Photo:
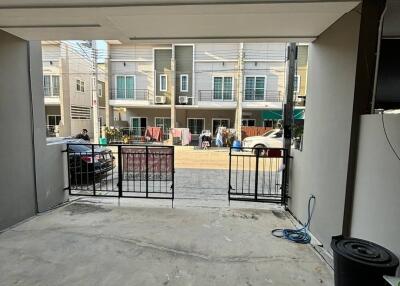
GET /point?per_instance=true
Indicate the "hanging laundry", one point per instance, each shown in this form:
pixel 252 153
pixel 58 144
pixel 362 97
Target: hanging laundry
pixel 154 133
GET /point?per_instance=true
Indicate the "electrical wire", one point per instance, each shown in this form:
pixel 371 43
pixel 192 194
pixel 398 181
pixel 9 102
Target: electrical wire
pixel 387 138
pixel 300 235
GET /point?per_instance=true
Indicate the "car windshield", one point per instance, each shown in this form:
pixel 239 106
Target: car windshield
pixel 79 148
pixel 268 133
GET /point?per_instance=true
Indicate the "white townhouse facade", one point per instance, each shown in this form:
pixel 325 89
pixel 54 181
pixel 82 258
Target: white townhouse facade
pixel 199 86
pixel 67 88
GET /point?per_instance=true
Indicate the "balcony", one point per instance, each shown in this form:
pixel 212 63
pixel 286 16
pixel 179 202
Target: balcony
pixel 137 98
pixel 217 98
pixel 51 96
pixel 262 99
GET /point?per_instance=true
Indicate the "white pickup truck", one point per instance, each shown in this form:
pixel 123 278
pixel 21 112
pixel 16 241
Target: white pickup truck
pixel 270 139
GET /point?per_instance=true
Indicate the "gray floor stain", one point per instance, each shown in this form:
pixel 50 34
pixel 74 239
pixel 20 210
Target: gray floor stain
pixel 79 209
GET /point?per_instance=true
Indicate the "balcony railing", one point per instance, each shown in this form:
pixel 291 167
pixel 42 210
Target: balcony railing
pixel 251 95
pixel 217 95
pixel 51 92
pixel 130 94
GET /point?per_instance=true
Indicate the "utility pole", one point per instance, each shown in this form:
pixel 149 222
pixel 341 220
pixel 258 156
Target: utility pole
pixel 238 119
pixel 95 99
pixel 288 107
pixel 173 88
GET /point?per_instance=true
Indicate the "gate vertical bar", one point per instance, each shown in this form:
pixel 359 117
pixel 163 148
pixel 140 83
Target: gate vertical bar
pixel 256 175
pixel 173 175
pixel 69 171
pixel 94 171
pixel 120 170
pixel 283 184
pixel 230 176
pixel 147 171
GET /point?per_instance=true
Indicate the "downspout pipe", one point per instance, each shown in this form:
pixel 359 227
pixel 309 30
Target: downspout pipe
pixel 32 127
pixel 378 54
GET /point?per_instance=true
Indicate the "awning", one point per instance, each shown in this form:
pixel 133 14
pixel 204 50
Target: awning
pixel 277 114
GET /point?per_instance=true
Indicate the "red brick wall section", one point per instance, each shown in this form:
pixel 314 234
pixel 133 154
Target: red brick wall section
pixel 248 131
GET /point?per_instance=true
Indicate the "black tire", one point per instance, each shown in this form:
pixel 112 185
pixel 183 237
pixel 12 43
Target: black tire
pixel 261 152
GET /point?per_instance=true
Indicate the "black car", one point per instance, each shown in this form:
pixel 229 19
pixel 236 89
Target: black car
pixel 86 165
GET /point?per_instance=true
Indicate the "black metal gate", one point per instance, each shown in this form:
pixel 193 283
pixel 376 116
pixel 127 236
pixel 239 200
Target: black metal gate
pixel 134 171
pixel 257 174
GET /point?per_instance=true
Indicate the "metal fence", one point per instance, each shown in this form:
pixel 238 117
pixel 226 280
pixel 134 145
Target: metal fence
pixel 134 171
pixel 257 174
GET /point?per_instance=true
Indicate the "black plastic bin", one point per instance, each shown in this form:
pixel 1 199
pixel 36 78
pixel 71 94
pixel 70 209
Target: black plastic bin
pixel 360 262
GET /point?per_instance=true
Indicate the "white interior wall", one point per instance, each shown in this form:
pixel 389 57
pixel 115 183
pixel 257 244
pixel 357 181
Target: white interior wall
pixel 321 168
pixel 376 206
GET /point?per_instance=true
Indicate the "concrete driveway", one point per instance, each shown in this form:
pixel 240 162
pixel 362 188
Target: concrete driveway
pixel 86 243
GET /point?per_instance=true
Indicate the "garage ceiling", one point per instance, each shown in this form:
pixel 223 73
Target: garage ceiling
pixel 171 21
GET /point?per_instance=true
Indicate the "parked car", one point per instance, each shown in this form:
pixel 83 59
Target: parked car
pixel 270 139
pixel 86 165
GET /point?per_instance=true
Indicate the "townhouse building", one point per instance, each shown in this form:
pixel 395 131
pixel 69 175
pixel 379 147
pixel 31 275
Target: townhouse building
pixel 67 87
pixel 200 86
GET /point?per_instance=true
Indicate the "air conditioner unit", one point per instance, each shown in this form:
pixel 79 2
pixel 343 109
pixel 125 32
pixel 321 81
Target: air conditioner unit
pixel 183 99
pixel 160 99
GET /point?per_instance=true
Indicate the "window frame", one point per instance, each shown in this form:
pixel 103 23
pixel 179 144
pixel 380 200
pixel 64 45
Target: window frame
pixel 51 87
pixel 254 87
pixel 196 118
pixel 166 82
pixel 99 89
pixel 80 85
pixel 223 87
pixel 187 83
pixel 220 119
pixel 163 122
pixel 247 119
pixel 116 86
pixel 297 88
pixel 52 115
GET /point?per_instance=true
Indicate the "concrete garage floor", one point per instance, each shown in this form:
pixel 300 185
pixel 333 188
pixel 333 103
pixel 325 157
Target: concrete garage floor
pixel 91 243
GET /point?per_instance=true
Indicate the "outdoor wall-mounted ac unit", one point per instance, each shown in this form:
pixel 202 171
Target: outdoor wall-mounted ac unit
pixel 183 99
pixel 160 99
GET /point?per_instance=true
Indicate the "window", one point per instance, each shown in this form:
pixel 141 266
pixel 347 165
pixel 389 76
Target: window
pixel 223 88
pixel 184 83
pixel 219 122
pixel 125 86
pixel 138 125
pixel 80 112
pixel 51 85
pixel 272 123
pixel 53 120
pixel 80 85
pixel 248 122
pixel 254 88
pixel 195 125
pixel 100 89
pixel 296 83
pixel 163 82
pixel 164 123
